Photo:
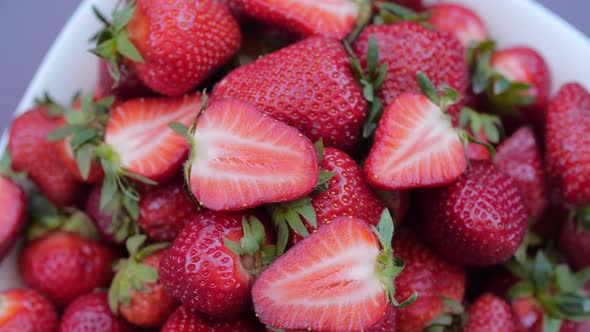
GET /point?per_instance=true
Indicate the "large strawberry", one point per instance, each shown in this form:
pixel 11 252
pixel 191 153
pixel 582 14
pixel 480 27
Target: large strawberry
pixel 337 279
pixel 242 158
pixel 479 220
pixel 308 85
pixel 26 310
pixel 568 143
pixel 489 313
pixel 186 320
pixel 14 205
pixel 461 22
pixel 90 312
pixel 212 264
pixel 172 46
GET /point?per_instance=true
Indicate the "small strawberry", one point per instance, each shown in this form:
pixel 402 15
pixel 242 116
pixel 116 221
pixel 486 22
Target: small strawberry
pixel 212 264
pixel 337 279
pixel 171 46
pixel 568 144
pixel 308 85
pixel 135 292
pixel 478 220
pixel 185 320
pixel 489 313
pixel 520 157
pixel 13 201
pixel 91 312
pixel 32 153
pixel 459 21
pixel 574 239
pixel 26 310
pixel 64 265
pixel 128 87
pixel 242 158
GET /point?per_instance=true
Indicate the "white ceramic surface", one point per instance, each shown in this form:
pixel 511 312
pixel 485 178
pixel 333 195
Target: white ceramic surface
pixel 68 67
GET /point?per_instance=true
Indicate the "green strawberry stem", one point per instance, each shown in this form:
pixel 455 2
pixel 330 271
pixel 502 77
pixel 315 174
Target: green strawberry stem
pixel 581 215
pixel 255 254
pixel 390 13
pixel 364 17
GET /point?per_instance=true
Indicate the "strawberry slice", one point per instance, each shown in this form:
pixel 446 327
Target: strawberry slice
pixel 337 279
pixel 138 132
pixel 415 146
pixel 243 158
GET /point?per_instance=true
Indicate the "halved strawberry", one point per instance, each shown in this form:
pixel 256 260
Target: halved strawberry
pixel 459 21
pixel 242 158
pixel 337 279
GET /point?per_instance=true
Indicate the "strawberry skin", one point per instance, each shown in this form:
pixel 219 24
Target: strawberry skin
pixel 242 158
pixel 479 220
pixel 182 42
pixel 519 156
pixel 387 323
pixel 130 86
pixel 185 320
pixel 415 146
pixel 331 18
pixel 101 219
pixel 64 266
pixel 574 242
pixel 489 313
pixel 26 310
pixel 90 313
pixel 308 85
pixel 327 282
pixel 33 154
pixel 461 22
pixel 14 205
pixel 202 273
pixel 138 132
pixel 568 143
pixel 528 317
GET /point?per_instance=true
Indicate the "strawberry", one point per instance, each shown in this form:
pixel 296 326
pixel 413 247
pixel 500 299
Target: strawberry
pixel 308 85
pixel 185 320
pixel 574 242
pixel 103 220
pixel 528 316
pixel 519 156
pixel 236 9
pixel 14 205
pixel 337 279
pixel 459 21
pixel 32 153
pixel 91 312
pixel 128 87
pixel 135 292
pixel 568 145
pixel 242 158
pixel 172 47
pixel 330 18
pixel 64 265
pixel 387 323
pixel 479 220
pixel 398 203
pixel 489 313
pixel 208 271
pixel 165 209
pixel 26 310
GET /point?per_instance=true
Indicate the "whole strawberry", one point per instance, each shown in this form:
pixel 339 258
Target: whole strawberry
pixel 186 320
pixel 574 242
pixel 479 220
pixel 461 22
pixel 568 143
pixel 171 46
pixel 212 264
pixel 308 85
pixel 63 266
pixel 14 204
pixel 489 313
pixel 89 313
pixel 26 310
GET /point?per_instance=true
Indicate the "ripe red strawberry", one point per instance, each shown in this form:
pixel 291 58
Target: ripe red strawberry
pixel 528 317
pixel 185 320
pixel 519 156
pixel 129 86
pixel 207 270
pixel 398 203
pixel 26 310
pixel 479 220
pixel 330 18
pixel 242 158
pixel 102 219
pixel 91 312
pixel 172 46
pixel 574 242
pixel 165 209
pixel 63 266
pixel 489 313
pixel 135 292
pixel 568 145
pixel 14 205
pixel 32 153
pixel 336 279
pixel 308 85
pixel 461 22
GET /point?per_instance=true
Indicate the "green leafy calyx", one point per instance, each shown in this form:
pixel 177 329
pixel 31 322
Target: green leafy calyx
pixel 292 215
pixel 254 253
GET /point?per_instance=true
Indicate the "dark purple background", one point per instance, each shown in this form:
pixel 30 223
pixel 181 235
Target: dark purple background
pixel 29 28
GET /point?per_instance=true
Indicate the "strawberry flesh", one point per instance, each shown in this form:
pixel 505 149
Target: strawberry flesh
pixel 459 21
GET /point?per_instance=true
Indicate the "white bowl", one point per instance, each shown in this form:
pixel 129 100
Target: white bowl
pixel 68 66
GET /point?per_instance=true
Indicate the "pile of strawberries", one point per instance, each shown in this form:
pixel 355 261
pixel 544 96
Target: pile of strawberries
pixel 295 165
